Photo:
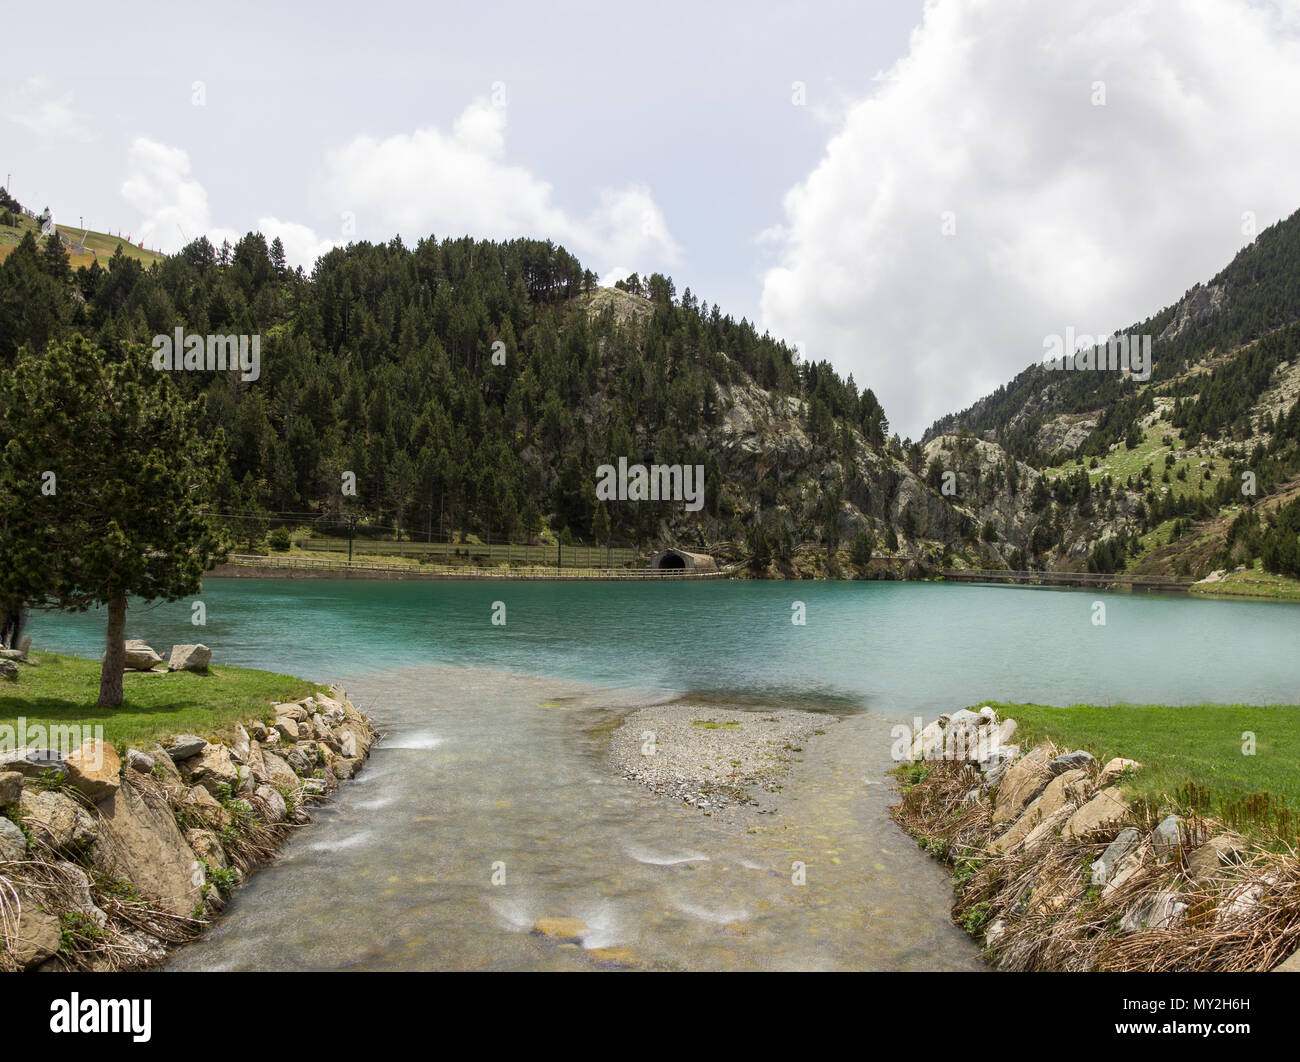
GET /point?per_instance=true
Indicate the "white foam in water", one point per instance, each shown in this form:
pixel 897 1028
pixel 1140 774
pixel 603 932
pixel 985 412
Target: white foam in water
pixel 603 927
pixel 513 913
pixel 720 917
pixel 371 805
pixel 655 859
pixel 748 865
pixel 347 842
pixel 421 739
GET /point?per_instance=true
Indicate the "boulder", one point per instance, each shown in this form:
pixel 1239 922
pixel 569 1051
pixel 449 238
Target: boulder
pixel 296 712
pixel 1100 816
pixel 207 806
pixel 13 843
pixel 241 745
pixel 213 768
pixel 8 670
pixel 57 820
pixel 185 746
pixel 1114 770
pixel 144 845
pixel 1023 781
pixel 1006 731
pixel 298 758
pixel 275 809
pixel 82 901
pixel 355 739
pixel 1208 862
pixel 279 772
pixel 164 763
pixel 1124 869
pixel 1070 761
pixel 257 730
pixel 927 745
pixel 11 787
pixel 139 761
pixel 1103 869
pixel 1172 835
pixel 189 658
pixel 207 847
pixel 94 769
pixel 1161 911
pixel 36 936
pixel 1063 790
pixel 140 657
pixel 1291 965
pixel 287 727
pixel 33 763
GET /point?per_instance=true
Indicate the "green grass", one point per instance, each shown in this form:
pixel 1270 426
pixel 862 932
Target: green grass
pixel 62 690
pixel 1190 755
pixel 99 246
pixel 1253 582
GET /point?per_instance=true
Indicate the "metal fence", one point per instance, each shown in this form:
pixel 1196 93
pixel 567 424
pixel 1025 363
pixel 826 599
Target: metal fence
pixel 545 555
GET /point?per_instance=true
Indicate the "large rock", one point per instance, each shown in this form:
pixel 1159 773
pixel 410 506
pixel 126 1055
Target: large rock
pixel 94 769
pixel 1100 816
pixel 184 746
pixel 8 670
pixel 1173 835
pixel 1161 911
pixel 1103 869
pixel 11 787
pixel 1208 863
pixel 1069 761
pixel 57 820
pixel 36 937
pixel 288 728
pixel 164 763
pixel 13 843
pixel 33 763
pixel 241 745
pixel 1291 965
pixel 272 803
pixel 1023 781
pixel 279 772
pixel 1114 770
pixel 213 768
pixel 207 846
pixel 189 658
pixel 140 761
pixel 144 845
pixel 141 657
pixel 355 739
pixel 1064 789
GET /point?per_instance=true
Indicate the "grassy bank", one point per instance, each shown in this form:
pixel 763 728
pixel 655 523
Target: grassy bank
pixel 1192 756
pixel 62 691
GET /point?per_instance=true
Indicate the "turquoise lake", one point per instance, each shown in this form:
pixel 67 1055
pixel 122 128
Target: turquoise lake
pixel 891 648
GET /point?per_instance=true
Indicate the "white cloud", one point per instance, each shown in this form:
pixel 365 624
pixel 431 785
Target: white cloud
pixel 51 118
pixel 171 201
pixel 1066 213
pixel 173 205
pixel 450 184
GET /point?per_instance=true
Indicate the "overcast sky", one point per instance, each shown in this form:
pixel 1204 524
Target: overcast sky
pixel 920 193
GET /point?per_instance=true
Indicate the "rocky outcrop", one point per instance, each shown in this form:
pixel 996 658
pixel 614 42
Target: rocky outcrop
pixel 114 860
pixel 1157 891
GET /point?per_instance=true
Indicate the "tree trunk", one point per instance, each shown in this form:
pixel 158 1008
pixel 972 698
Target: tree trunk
pixel 110 677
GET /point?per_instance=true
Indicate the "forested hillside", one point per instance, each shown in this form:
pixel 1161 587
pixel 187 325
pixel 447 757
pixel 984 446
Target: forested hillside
pixel 476 387
pixel 473 390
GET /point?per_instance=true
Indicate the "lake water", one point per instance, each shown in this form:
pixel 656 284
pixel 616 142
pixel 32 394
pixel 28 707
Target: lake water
pixel 493 760
pixel 891 648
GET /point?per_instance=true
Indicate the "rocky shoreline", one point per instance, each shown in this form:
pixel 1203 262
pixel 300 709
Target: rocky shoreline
pixel 709 758
pixel 1058 866
pixel 108 862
